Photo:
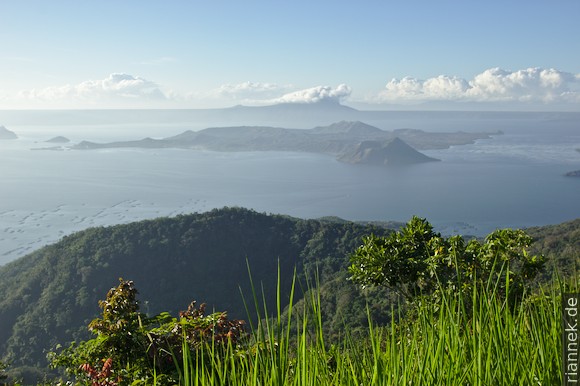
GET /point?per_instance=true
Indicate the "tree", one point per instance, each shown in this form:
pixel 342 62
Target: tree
pixel 417 261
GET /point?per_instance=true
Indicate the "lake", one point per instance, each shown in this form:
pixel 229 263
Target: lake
pixel 512 180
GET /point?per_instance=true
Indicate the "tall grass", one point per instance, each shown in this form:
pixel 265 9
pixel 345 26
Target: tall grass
pixel 473 339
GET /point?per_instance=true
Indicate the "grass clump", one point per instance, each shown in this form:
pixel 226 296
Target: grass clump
pixel 489 343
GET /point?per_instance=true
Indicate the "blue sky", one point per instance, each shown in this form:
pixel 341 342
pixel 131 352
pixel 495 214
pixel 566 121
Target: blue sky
pixel 374 54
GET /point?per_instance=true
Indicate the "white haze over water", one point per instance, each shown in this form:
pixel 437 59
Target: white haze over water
pixel 511 180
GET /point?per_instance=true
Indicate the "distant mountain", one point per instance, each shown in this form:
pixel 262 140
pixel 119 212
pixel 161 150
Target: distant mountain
pixel 342 140
pixel 325 106
pixel 301 115
pixel 392 152
pixel 7 134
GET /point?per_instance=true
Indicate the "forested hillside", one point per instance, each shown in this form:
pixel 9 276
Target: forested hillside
pixel 560 244
pixel 50 296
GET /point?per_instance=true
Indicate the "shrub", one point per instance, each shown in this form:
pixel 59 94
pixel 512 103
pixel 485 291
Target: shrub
pixel 130 348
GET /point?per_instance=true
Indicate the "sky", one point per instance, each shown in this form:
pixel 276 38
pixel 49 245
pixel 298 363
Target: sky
pixel 520 55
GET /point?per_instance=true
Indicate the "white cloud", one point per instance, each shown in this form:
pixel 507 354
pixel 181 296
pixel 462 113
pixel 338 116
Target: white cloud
pixel 258 94
pixel 530 85
pixel 315 94
pixel 120 90
pixel 116 87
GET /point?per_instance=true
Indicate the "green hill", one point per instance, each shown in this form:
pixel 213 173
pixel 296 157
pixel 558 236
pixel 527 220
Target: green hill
pixel 52 294
pixel 561 245
pixel 49 296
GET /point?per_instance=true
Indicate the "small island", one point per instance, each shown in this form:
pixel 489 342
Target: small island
pixel 59 139
pixel 574 173
pixel 7 134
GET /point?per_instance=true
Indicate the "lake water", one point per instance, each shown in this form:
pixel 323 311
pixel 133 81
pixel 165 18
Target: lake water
pixel 512 180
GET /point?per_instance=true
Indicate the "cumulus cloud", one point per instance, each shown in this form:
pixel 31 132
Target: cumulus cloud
pixel 256 93
pixel 315 94
pixel 115 87
pixel 532 84
pixel 492 85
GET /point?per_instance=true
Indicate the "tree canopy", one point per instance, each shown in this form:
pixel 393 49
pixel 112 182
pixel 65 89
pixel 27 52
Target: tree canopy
pixel 418 261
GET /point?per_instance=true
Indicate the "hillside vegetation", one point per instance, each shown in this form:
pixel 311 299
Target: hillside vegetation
pixel 52 294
